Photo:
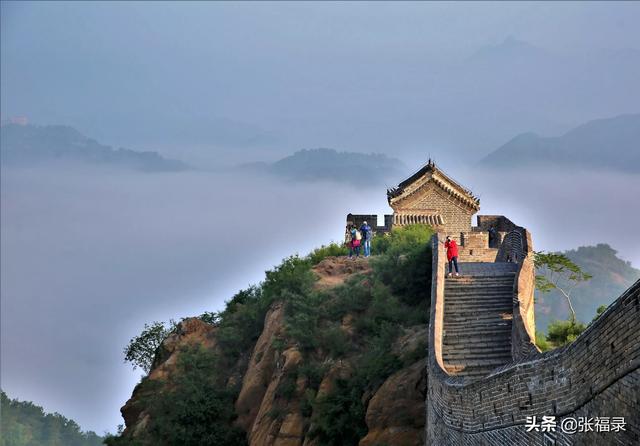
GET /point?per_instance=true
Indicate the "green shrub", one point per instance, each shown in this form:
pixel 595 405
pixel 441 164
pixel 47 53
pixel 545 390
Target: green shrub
pixel 330 250
pixel 196 407
pixel 302 319
pixel 402 240
pixel 141 350
pixel 334 341
pixel 306 404
pixel 351 297
pixel 542 342
pixel 287 386
pixel 601 309
pixel 314 373
pixel 338 417
pixel 561 333
pixel 406 265
pixel 293 276
pixel 241 323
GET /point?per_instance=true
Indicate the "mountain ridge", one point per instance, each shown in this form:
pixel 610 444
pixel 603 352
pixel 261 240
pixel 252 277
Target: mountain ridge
pixel 308 165
pixel 611 143
pixel 31 145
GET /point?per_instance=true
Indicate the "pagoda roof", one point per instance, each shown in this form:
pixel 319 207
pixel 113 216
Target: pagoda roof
pixel 440 178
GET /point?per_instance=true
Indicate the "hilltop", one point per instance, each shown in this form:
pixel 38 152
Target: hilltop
pixel 329 164
pixel 327 350
pixel 31 145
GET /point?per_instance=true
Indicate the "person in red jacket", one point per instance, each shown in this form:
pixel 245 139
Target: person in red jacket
pixel 452 255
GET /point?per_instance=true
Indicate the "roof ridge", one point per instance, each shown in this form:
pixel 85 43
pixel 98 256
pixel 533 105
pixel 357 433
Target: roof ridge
pixel 455 188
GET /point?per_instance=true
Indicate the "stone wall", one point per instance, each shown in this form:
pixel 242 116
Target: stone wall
pixel 598 375
pixel 499 222
pixel 523 330
pixel 456 215
pixel 474 247
pixel 372 220
pixel 514 247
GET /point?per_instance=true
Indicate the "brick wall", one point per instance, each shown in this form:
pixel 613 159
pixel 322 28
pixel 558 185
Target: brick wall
pixel 457 216
pixel 372 220
pixel 499 222
pixel 598 375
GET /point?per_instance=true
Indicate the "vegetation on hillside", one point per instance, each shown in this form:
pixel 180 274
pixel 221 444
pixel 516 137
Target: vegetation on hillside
pixel 607 276
pixel 25 424
pixel 611 276
pixel 394 295
pixel 563 332
pixel 556 272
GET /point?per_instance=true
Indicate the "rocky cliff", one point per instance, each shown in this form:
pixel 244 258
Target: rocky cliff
pixel 292 391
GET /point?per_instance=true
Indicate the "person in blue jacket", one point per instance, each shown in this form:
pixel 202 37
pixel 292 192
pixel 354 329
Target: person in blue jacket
pixel 365 230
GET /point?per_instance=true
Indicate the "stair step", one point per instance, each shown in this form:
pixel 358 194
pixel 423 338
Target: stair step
pixel 488 305
pixel 466 350
pixel 494 333
pixel 486 319
pixel 479 279
pixel 470 274
pixel 476 297
pixel 456 345
pixel 493 362
pixel 491 305
pixel 471 372
pixel 503 356
pixel 470 312
pixel 481 293
pixel 499 338
pixel 477 287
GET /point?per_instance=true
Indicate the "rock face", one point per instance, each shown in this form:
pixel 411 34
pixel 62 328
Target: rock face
pixel 396 413
pixel 262 366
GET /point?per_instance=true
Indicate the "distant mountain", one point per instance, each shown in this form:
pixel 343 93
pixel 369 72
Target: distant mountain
pixel 30 145
pixel 510 51
pixel 611 276
pixel 329 164
pixel 612 143
pixel 25 424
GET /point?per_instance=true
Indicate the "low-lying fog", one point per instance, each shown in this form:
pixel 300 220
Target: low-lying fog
pixel 89 256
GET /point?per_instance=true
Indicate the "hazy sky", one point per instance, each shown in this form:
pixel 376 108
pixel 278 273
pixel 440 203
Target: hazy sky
pixel 88 257
pixel 262 79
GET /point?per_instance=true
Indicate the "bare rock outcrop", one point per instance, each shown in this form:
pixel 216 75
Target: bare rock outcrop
pixel 279 421
pixel 262 366
pixel 396 413
pixel 333 271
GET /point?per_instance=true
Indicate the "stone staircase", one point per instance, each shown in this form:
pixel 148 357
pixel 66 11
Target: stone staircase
pixel 478 309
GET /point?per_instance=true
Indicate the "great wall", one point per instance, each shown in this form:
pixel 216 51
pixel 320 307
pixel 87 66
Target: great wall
pixel 487 380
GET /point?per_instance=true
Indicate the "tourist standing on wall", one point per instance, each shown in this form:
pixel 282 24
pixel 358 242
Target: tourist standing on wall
pixel 452 255
pixel 365 230
pixel 354 246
